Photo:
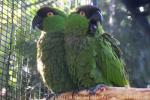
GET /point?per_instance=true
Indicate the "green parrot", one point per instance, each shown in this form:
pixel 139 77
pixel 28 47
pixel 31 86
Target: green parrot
pixel 92 55
pixel 51 63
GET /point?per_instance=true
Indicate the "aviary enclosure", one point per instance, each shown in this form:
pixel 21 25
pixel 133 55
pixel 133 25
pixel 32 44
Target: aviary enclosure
pixel 19 79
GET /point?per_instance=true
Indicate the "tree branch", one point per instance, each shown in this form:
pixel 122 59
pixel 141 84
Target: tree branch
pixel 112 93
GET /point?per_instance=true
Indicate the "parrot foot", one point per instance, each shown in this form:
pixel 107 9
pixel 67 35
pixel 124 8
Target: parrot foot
pixel 99 87
pixel 51 95
pixel 75 92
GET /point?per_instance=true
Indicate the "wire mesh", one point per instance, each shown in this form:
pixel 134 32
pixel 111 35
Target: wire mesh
pixel 19 79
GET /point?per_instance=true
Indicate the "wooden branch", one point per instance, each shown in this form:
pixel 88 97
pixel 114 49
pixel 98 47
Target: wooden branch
pixel 111 93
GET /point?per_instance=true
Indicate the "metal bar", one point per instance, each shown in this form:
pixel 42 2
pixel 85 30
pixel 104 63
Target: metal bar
pixel 95 2
pixel 15 36
pixel 10 52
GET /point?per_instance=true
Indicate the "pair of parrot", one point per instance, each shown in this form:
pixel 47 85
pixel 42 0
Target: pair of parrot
pixel 74 52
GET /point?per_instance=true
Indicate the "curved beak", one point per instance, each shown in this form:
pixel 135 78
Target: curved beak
pixel 37 22
pixel 97 17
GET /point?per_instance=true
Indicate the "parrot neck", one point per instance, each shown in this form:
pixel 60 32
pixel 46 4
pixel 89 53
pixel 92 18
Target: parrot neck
pixel 54 24
pixel 100 30
pixel 55 33
pixel 76 25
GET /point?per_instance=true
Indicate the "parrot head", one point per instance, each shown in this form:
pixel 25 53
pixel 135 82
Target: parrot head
pixel 48 18
pixel 84 20
pixel 93 14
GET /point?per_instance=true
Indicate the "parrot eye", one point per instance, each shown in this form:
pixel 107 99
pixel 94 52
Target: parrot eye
pixel 82 13
pixel 50 14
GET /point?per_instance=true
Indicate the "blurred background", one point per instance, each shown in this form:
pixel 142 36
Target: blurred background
pixel 129 22
pixel 126 20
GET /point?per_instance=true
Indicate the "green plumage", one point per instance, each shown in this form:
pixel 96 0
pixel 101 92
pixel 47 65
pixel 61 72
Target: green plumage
pixel 112 66
pixel 91 60
pixel 51 54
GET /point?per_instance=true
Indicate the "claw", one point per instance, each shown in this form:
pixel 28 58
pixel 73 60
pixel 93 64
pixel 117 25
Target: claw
pixel 75 92
pixel 51 95
pixel 95 89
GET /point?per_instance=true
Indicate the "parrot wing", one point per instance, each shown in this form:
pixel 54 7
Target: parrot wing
pixel 114 43
pixel 109 60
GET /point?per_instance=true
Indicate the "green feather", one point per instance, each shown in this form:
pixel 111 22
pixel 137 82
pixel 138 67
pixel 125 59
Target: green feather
pixel 80 53
pixel 111 65
pixel 91 60
pixel 51 55
pixel 73 27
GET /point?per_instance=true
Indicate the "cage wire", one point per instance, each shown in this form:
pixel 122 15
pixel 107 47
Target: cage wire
pixel 19 79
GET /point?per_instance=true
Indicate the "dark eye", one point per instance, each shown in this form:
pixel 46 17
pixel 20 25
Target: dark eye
pixel 50 14
pixel 82 13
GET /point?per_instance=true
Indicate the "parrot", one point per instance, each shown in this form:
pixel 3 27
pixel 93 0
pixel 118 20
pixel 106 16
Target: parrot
pixel 51 61
pixel 93 56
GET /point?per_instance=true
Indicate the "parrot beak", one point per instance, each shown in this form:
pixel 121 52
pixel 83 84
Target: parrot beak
pixel 37 22
pixel 97 17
